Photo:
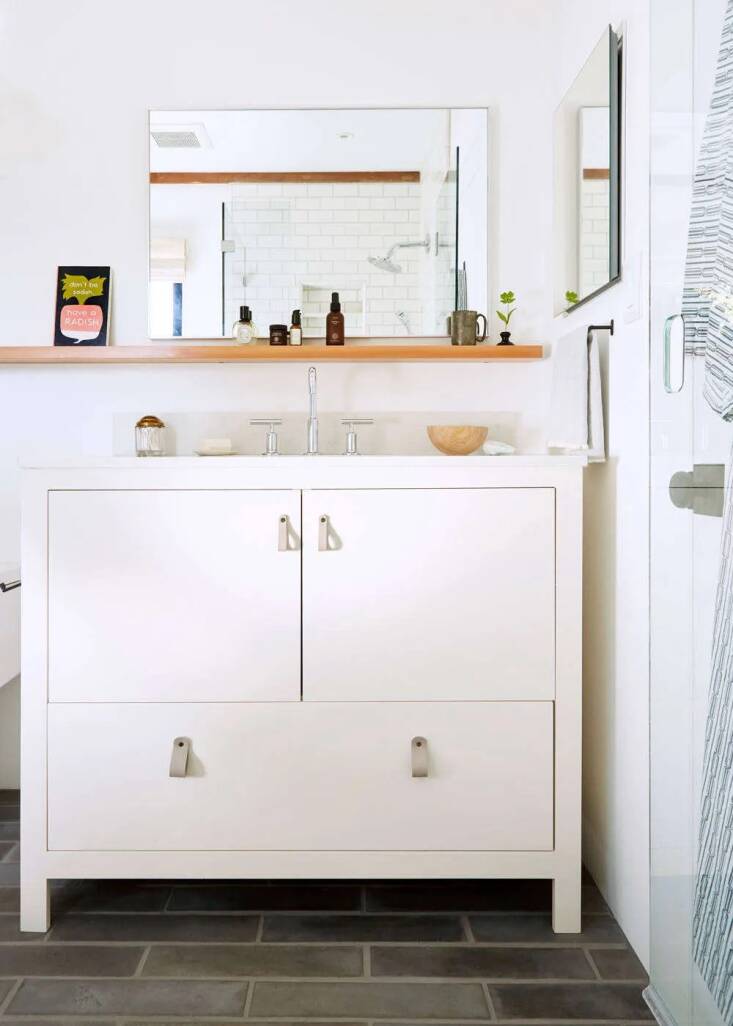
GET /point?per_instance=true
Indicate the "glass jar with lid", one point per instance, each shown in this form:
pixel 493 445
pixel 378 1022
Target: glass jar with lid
pixel 150 436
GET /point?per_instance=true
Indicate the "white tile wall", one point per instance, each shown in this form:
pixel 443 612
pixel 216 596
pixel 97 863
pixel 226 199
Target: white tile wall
pixel 594 235
pixel 292 234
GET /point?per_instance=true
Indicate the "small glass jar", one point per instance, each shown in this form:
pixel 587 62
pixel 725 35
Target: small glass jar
pixel 150 436
pixel 278 334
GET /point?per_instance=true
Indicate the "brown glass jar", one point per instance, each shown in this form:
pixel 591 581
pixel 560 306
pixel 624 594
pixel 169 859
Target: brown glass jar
pixel 278 334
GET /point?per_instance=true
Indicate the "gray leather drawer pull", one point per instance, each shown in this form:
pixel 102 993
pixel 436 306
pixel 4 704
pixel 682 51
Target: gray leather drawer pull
pixel 323 530
pixel 282 535
pixel 179 757
pixel 419 757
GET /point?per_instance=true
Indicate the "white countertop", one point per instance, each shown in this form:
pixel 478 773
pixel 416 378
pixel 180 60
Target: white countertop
pixel 478 461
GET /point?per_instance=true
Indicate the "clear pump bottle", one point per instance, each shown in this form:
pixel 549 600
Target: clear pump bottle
pixel 244 331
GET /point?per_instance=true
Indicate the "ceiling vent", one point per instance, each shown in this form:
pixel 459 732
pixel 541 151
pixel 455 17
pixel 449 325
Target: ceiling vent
pixel 177 140
pixel 180 137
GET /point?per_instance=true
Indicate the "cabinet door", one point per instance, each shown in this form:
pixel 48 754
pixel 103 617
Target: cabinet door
pixel 163 596
pixel 302 777
pixel 429 594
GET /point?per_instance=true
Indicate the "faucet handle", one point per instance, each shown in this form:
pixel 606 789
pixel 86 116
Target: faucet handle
pixel 271 437
pixel 351 440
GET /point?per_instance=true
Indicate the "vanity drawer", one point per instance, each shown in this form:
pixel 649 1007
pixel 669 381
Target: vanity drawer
pixel 326 776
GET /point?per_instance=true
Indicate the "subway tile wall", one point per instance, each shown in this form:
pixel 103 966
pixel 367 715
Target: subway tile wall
pixel 295 243
pixel 594 235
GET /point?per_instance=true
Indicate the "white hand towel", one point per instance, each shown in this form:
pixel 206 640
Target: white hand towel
pixel 576 407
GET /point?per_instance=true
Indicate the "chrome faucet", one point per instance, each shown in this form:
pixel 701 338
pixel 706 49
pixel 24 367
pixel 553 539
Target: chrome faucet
pixel 312 449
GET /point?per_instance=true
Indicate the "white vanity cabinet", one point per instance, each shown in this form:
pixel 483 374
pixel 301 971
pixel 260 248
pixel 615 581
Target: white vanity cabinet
pixel 374 665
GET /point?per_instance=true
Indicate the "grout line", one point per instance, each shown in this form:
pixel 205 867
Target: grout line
pixel 143 960
pixel 372 981
pixel 466 924
pixel 489 1002
pixel 249 999
pixel 367 961
pixel 592 964
pixel 4 1005
pixel 349 942
pixel 260 929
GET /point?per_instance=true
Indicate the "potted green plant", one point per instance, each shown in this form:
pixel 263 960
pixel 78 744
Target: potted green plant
pixel 506 299
pixel 571 298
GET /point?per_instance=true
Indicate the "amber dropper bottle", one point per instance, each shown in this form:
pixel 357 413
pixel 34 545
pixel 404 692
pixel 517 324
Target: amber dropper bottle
pixel 335 323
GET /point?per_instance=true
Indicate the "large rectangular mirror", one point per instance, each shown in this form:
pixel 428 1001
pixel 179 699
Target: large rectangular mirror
pixel 587 128
pixel 276 209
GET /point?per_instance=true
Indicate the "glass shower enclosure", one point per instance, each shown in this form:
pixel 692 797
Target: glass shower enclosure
pixel 689 450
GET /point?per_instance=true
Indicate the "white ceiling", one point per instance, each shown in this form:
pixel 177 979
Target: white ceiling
pixel 305 140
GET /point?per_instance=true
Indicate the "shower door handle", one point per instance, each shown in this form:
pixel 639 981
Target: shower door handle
pixel 676 348
pixel 674 354
pixel 700 489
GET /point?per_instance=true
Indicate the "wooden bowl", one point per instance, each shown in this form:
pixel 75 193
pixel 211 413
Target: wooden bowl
pixel 459 440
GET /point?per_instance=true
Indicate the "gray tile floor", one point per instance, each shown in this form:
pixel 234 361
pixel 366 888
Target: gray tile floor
pixel 315 952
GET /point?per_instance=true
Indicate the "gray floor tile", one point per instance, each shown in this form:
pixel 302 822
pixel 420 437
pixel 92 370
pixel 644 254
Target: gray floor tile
pixel 121 896
pixel 422 1000
pixel 266 897
pixel 5 987
pixel 306 960
pixel 10 932
pixel 601 1001
pixel 593 903
pixel 9 831
pixel 9 899
pixel 619 965
pixel 460 896
pixel 207 1022
pixel 68 960
pixel 129 997
pixel 154 927
pixel 9 813
pixel 9 850
pixel 486 963
pixel 9 874
pixel 362 928
pixel 8 796
pixel 535 929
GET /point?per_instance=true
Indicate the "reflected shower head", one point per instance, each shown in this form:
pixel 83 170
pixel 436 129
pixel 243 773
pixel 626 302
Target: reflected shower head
pixel 385 264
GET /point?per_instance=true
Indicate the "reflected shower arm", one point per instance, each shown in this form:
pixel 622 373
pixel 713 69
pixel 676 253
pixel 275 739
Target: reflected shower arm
pixel 423 244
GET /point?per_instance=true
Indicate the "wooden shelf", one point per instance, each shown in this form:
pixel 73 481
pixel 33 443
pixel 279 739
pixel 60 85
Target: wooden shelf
pixel 178 353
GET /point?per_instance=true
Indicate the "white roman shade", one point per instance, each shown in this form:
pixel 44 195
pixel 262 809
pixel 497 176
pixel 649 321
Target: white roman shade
pixel 167 259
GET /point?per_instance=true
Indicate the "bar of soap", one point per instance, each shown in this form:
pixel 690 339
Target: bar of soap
pixel 216 446
pixel 492 448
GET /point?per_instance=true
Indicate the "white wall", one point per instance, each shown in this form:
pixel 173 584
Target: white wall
pixel 616 635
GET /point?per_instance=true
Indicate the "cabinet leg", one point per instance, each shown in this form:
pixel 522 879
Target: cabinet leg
pixel 35 906
pixel 566 896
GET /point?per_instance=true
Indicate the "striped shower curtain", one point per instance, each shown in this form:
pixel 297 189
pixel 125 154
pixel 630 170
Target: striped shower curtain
pixel 708 312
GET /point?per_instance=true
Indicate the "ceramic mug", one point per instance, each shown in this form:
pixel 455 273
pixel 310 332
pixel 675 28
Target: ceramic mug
pixel 465 329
